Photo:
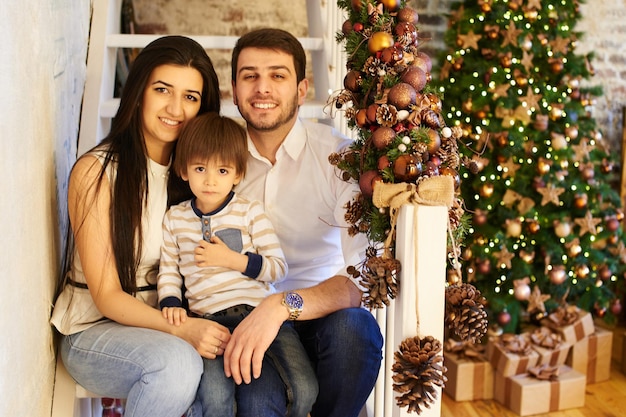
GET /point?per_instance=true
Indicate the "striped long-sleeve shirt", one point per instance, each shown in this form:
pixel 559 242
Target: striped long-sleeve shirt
pixel 244 227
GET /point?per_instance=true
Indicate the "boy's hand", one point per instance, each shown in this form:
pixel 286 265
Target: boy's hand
pixel 212 253
pixel 174 315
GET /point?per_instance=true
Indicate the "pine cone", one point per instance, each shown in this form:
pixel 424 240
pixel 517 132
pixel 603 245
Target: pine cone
pixel 465 312
pixel 418 371
pixel 379 277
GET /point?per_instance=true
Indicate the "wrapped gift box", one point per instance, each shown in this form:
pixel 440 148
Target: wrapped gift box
pixel 549 345
pixel 571 322
pixel 592 356
pixel 511 354
pixel 526 395
pixel 468 379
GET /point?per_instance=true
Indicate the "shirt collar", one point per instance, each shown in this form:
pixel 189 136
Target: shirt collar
pixel 217 210
pixel 292 145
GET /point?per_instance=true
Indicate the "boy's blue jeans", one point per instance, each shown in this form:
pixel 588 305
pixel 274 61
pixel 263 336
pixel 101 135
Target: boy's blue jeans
pixel 287 385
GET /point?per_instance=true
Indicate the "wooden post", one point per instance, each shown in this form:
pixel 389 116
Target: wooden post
pixel 418 309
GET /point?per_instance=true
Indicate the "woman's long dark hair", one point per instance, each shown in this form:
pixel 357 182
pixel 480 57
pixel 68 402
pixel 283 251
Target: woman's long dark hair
pixel 125 147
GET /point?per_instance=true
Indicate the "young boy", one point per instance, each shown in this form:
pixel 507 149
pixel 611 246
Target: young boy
pixel 222 249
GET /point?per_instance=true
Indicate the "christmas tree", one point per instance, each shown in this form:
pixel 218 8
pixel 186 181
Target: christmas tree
pixel 546 219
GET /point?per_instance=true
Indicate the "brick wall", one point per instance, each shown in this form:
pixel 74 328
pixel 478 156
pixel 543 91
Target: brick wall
pixel 603 25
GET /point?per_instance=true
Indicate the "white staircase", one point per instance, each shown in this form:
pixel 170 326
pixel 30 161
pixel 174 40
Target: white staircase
pixel 100 105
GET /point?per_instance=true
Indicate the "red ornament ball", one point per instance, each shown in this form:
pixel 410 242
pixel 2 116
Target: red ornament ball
pixel 367 181
pixel 616 307
pixel 504 318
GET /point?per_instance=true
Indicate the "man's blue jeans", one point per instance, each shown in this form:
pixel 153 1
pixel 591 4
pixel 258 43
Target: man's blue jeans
pixel 157 373
pixel 346 350
pixel 287 385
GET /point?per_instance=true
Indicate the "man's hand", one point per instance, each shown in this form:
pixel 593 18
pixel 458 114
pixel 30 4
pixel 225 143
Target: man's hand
pixel 243 357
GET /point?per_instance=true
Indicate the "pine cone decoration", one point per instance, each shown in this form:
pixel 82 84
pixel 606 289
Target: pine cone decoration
pixel 418 371
pixel 379 279
pixel 465 312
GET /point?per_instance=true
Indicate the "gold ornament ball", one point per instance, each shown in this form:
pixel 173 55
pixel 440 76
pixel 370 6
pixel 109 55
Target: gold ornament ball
pixel 379 41
pixel 415 77
pixel 557 274
pixel 580 201
pixel 382 137
pixel 558 140
pixel 543 166
pixel 533 226
pixel 451 173
pixel 435 141
pixel 361 118
pixel 422 60
pixel 574 250
pixel 582 271
pixel 356 5
pixel 521 292
pixel 407 168
pixel 453 277
pixel 402 95
pixel 486 190
pixel 527 257
pixel 390 5
pixel 562 229
pixel 588 173
pixel 408 14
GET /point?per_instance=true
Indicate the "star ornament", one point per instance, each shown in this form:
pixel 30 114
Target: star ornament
pixel 588 224
pixel 582 150
pixel 550 194
pixel 509 168
pixel 531 99
pixel 536 301
pixel 470 40
pixel 620 252
pixel 511 35
pixel 527 61
pixel 500 91
pixel 504 257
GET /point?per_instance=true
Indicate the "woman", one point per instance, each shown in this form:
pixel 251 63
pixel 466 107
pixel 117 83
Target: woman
pixel 115 342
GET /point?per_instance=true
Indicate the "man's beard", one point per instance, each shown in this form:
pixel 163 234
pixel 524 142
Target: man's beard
pixel 268 126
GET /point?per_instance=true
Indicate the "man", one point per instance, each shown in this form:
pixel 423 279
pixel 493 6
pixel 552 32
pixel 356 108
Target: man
pixel 305 198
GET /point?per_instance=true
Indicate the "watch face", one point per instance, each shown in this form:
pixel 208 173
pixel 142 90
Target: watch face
pixel 293 300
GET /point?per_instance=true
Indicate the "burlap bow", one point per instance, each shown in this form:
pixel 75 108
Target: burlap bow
pixel 431 191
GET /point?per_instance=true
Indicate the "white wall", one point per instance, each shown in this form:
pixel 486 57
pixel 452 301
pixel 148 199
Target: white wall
pixel 42 68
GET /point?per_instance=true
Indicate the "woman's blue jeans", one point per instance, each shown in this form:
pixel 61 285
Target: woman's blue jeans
pixel 157 373
pixel 346 350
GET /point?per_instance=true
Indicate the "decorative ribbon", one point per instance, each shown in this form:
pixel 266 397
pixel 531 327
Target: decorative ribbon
pixel 546 338
pixel 544 372
pixel 515 343
pixel 465 350
pixel 564 315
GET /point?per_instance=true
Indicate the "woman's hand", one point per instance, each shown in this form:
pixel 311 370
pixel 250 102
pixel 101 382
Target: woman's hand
pixel 206 336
